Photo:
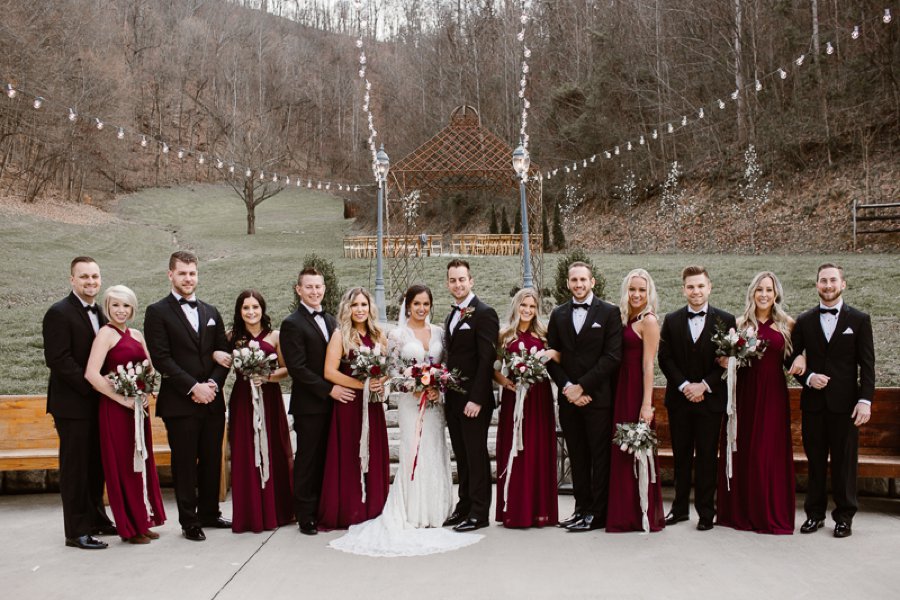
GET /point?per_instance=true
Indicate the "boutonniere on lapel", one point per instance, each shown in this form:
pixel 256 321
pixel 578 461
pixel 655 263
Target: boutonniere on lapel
pixel 465 313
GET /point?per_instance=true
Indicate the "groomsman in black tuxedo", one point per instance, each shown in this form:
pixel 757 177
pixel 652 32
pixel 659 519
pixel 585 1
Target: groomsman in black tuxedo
pixel 69 328
pixel 182 333
pixel 696 395
pixel 838 385
pixel 470 331
pixel 304 337
pixel 587 332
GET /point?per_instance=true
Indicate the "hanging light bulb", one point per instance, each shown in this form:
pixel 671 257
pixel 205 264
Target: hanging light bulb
pixel 120 133
pixel 248 173
pixel 799 61
pixel 641 141
pixel 98 123
pixel 144 141
pixel 734 94
pixel 628 146
pixel 593 158
pixel 274 177
pixel 568 170
pixel 231 169
pixel 10 90
pixel 700 113
pixel 521 36
pixel 670 128
pixel 607 154
pixel 180 153
pixel 684 121
pixel 721 104
pixel 319 186
pixel 782 73
pixel 887 15
pixel 219 163
pixel 575 166
pixel 359 43
pixel 829 49
pixel 262 175
pixel 362 58
pixel 855 34
pixel 201 160
pixel 72 114
pixel 356 188
pixel 299 183
pixel 654 135
pixel 38 102
pixel 328 186
pixel 287 181
pixel 758 85
pixel 309 184
pixel 523 19
pixel 527 53
pixel 165 148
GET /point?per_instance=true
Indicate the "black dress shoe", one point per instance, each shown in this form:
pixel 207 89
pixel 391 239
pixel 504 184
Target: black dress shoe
pixel 586 523
pixel 219 523
pixel 455 518
pixel 672 518
pixel 194 533
pixel 811 525
pixel 308 528
pixel 106 530
pixel 842 530
pixel 576 516
pixel 86 542
pixel 470 525
pixel 704 525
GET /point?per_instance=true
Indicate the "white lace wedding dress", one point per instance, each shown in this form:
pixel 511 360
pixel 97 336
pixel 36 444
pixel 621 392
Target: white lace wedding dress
pixel 410 524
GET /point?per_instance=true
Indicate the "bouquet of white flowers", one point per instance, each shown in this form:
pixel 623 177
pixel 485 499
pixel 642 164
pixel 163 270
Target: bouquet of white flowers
pixel 255 365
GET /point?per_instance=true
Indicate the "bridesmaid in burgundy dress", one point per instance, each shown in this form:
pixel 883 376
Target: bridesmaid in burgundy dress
pixel 761 494
pixel 116 344
pixel 634 400
pixel 531 498
pixel 342 502
pixel 257 507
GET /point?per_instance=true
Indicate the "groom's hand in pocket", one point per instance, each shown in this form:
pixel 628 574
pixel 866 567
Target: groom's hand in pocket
pixel 471 409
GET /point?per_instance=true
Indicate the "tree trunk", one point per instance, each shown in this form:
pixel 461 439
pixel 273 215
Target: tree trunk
pixel 739 75
pixel 250 202
pixel 814 7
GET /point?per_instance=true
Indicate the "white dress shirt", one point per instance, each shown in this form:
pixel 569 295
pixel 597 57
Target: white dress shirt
pixel 456 311
pixel 94 317
pixel 192 314
pixel 697 324
pixel 579 315
pixel 319 319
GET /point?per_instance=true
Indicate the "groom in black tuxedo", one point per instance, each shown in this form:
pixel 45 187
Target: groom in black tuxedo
pixel 587 332
pixel 836 399
pixel 696 395
pixel 304 338
pixel 69 329
pixel 470 330
pixel 182 333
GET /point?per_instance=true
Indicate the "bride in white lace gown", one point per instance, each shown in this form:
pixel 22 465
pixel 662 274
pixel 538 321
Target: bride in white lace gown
pixel 416 507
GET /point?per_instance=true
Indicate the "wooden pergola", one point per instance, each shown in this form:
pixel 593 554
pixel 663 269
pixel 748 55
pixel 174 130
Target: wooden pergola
pixel 462 156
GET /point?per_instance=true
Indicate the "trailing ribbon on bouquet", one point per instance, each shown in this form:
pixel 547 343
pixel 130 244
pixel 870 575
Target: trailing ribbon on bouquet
pixel 731 426
pixel 260 435
pixel 140 449
pixel 518 442
pixel 645 471
pixel 420 423
pixel 364 440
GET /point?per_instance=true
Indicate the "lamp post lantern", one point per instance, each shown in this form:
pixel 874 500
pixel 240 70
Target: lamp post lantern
pixel 382 164
pixel 521 161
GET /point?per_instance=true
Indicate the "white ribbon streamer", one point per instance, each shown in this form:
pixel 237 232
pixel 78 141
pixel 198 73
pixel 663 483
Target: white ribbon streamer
pixel 645 472
pixel 364 440
pixel 731 427
pixel 140 449
pixel 260 435
pixel 518 442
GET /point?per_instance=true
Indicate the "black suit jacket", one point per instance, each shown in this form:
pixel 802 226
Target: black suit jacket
pixel 849 359
pixel 68 337
pixel 184 357
pixel 590 357
pixel 472 350
pixel 681 360
pixel 303 348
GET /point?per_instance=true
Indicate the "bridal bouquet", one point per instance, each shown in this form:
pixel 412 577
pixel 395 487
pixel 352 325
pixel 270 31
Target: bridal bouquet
pixel 740 346
pixel 136 380
pixel 371 363
pixel 254 364
pixel 522 366
pixel 639 440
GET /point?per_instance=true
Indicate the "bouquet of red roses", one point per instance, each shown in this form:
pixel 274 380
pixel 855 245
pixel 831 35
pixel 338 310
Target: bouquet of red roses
pixel 371 363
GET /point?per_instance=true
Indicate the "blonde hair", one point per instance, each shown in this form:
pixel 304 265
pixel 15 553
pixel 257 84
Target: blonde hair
pixel 349 334
pixel 781 321
pixel 511 329
pixel 123 293
pixel 652 305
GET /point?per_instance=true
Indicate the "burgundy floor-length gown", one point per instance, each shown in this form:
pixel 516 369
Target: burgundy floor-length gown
pixel 761 497
pixel 125 487
pixel 341 504
pixel 624 513
pixel 532 499
pixel 256 508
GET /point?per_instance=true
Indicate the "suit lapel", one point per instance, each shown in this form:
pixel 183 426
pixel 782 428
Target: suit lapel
pixel 179 314
pixel 202 318
pixel 568 328
pixel 840 326
pixel 588 319
pixel 312 321
pixel 83 316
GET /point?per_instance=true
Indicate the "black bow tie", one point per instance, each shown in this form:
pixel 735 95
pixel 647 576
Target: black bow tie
pixel 316 313
pixel 692 315
pixel 92 308
pixel 830 311
pixel 576 306
pixel 191 303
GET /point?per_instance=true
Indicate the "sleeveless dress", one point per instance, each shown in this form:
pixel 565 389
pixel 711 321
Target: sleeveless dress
pixel 532 497
pixel 341 504
pixel 256 508
pixel 416 507
pixel 761 497
pixel 125 487
pixel 624 513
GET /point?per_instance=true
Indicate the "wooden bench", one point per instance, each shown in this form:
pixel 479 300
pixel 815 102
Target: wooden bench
pixel 28 439
pixel 879 439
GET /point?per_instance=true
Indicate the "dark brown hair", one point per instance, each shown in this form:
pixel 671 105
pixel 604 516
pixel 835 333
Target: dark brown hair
pixel 579 263
pixel 458 262
pixel 239 333
pixel 412 292
pixel 308 271
pixel 80 259
pixel 183 256
pixel 691 270
pixel 824 266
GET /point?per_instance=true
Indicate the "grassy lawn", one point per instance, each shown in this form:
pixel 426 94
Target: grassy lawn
pixel 210 220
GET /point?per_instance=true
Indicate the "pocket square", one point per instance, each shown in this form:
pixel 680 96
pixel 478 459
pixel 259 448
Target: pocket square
pixel 596 326
pixel 848 331
pixel 464 326
pixel 211 322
